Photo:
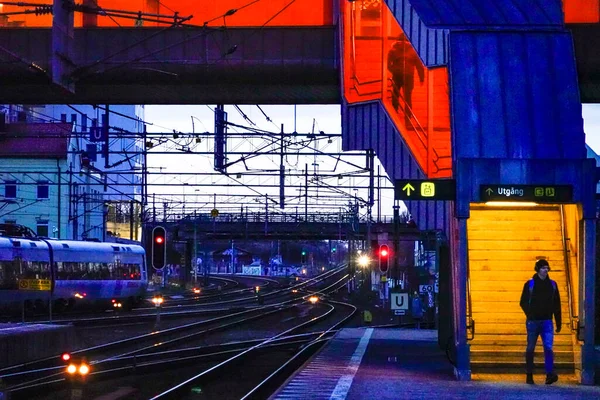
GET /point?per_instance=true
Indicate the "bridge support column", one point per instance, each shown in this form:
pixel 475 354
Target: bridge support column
pixel 586 321
pixel 462 370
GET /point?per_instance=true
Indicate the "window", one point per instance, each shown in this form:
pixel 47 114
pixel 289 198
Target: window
pixel 63 117
pixel 42 228
pixel 10 189
pixel 42 190
pixel 84 123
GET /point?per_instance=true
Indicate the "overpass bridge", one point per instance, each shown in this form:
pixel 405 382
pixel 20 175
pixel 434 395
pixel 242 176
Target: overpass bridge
pixel 284 227
pixel 273 65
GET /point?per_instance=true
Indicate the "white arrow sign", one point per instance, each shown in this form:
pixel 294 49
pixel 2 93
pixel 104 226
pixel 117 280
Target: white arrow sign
pixel 399 301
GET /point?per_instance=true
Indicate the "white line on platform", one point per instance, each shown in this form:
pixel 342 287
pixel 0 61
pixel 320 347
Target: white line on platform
pixel 343 386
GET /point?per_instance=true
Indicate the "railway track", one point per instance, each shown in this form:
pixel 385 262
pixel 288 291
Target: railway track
pixel 27 381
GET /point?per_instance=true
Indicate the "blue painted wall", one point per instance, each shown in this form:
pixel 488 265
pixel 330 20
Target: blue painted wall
pixel 475 14
pixel 515 95
pixel 367 126
pixel 431 44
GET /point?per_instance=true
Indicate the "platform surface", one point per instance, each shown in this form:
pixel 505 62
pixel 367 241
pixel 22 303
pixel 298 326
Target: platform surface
pixel 372 363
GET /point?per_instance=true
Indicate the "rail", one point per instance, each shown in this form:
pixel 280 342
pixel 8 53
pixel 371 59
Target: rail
pixel 574 319
pixel 470 320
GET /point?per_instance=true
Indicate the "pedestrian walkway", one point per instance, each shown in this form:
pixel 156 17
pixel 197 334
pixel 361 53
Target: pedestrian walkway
pixel 397 363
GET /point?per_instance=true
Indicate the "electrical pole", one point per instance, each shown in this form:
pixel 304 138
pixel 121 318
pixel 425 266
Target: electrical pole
pixel 370 162
pixel 306 192
pixel 195 251
pixel 282 173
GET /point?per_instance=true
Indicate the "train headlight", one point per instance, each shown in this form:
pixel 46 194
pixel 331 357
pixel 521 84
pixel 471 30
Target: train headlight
pixel 84 369
pixel 364 261
pixel 71 369
pixel 157 300
pixel 313 299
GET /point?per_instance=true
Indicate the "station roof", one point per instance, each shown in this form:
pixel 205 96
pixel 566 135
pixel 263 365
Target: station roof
pixel 466 14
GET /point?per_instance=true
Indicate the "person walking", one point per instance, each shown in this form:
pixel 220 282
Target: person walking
pixel 416 309
pixel 539 301
pixel 402 61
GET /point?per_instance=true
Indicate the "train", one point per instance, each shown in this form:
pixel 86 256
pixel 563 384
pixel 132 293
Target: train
pixel 36 272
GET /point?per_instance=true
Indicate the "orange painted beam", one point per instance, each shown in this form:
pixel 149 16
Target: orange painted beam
pixel 242 13
pixel 582 11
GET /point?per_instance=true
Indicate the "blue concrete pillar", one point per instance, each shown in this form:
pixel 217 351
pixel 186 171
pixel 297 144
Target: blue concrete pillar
pixel 586 320
pixel 462 369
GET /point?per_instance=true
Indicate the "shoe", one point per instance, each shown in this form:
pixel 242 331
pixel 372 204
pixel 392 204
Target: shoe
pixel 551 378
pixel 529 379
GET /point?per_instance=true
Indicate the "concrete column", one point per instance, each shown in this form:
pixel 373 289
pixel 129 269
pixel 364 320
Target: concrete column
pixel 586 320
pixel 462 370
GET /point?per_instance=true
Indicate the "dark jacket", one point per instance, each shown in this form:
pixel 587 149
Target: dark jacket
pixel 403 60
pixel 545 300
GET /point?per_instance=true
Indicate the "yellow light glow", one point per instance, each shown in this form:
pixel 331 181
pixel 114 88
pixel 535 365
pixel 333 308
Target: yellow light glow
pixel 157 300
pixel 71 369
pixel 511 204
pixel 84 369
pixel 313 299
pixel 363 261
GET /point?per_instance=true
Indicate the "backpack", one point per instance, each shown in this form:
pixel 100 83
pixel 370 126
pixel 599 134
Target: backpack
pixel 531 283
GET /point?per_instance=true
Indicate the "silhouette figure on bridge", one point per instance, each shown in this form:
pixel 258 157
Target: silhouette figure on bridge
pixel 402 61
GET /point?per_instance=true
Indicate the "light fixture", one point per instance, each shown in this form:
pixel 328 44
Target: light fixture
pixel 511 204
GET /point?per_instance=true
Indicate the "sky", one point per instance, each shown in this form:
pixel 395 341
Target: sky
pixel 591 126
pixel 324 117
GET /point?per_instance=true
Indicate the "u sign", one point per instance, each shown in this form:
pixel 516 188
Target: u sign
pixel 97 134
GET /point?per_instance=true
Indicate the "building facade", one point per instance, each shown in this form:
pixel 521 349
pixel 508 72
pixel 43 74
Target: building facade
pixel 117 171
pixel 44 187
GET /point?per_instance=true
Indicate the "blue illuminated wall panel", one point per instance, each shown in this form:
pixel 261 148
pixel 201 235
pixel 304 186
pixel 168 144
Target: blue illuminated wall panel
pixel 430 44
pixel 367 126
pixel 475 14
pixel 515 96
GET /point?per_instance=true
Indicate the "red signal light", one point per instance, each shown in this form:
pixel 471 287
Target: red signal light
pixel 384 258
pixel 159 247
pixel 65 356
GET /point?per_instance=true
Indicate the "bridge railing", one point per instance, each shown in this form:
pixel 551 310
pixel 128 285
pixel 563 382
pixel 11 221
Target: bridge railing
pixel 257 217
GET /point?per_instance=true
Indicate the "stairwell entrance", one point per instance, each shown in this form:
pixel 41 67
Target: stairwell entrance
pixel 504 244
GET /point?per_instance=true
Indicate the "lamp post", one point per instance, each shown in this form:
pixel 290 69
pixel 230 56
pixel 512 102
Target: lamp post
pixel 157 300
